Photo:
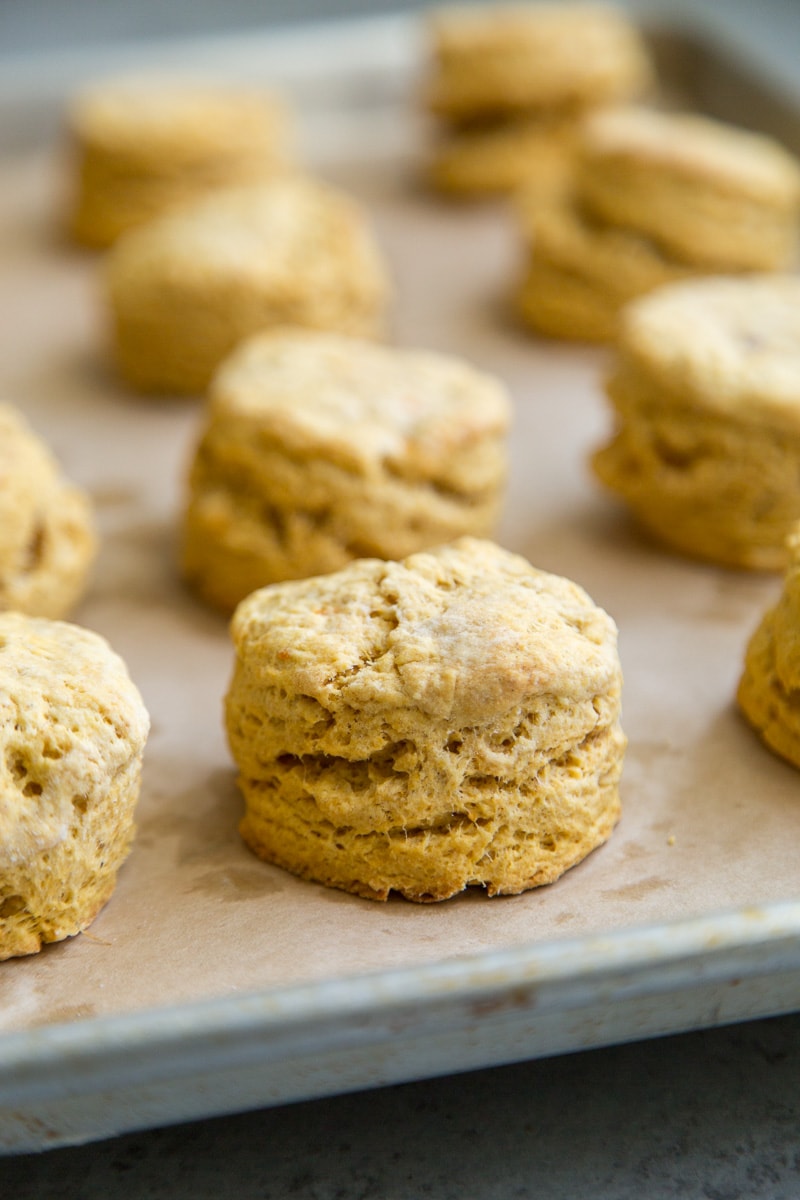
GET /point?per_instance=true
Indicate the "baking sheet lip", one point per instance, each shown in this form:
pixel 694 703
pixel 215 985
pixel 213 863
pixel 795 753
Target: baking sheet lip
pixel 539 978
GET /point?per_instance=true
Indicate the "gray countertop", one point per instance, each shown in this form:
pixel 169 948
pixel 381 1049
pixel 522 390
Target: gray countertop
pixel 711 1115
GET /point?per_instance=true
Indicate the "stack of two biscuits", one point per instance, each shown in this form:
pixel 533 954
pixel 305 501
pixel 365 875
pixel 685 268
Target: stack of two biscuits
pixel 507 85
pixel 656 198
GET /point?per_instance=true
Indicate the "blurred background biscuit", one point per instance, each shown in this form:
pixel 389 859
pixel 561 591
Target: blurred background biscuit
pixel 319 448
pixel 652 198
pixel 142 147
pixel 183 290
pixel 711 195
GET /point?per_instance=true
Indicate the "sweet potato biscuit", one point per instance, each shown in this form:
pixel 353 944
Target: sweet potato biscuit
pixel 320 448
pixel 424 726
pixel 142 147
pixel 713 195
pixel 47 541
pixel 73 729
pixel 580 273
pixel 186 288
pixel 706 388
pixel 509 59
pixel 769 689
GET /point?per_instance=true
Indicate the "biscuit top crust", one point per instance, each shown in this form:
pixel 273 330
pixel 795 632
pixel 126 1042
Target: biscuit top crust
pixel 167 124
pixel 70 718
pixel 731 346
pixel 294 233
pixel 533 54
pixel 694 147
pixel 355 401
pixel 462 633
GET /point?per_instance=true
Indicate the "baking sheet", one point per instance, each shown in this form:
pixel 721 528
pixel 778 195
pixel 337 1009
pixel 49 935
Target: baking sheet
pixel 710 820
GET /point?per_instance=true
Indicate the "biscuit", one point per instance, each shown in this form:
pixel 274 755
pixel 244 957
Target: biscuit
pixel 140 148
pixel 185 288
pixel 712 195
pixel 319 448
pixel 47 540
pixel 425 726
pixel 770 684
pixel 534 152
pixel 509 59
pixel 73 729
pixel 706 388
pixel 581 273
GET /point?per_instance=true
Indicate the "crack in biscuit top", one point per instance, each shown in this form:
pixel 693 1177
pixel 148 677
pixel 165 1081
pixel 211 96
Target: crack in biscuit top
pixel 462 633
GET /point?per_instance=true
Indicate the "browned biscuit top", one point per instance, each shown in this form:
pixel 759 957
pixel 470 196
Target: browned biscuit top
pixel 464 632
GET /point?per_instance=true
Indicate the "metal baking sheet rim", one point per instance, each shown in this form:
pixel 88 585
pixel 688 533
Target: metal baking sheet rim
pixel 66 1084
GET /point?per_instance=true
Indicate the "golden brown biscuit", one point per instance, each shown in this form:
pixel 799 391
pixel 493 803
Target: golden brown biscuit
pixel 706 388
pixel 142 147
pixel 319 448
pixel 712 195
pixel 47 540
pixel 506 59
pixel 424 726
pixel 185 289
pixel 581 273
pixel 73 729
pixel 769 688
